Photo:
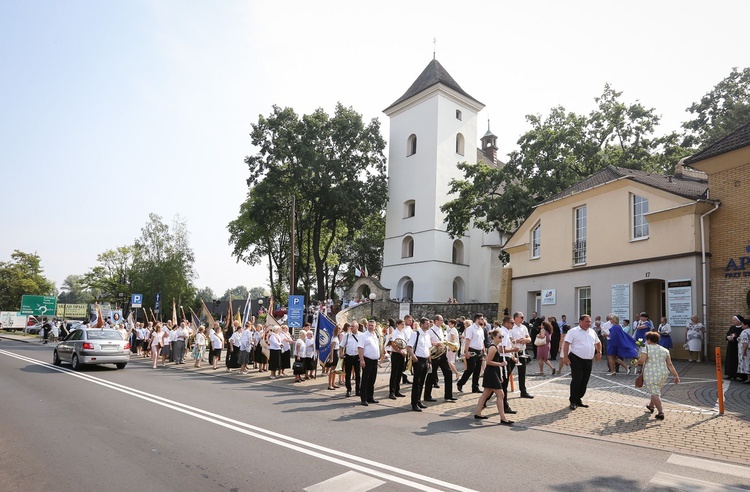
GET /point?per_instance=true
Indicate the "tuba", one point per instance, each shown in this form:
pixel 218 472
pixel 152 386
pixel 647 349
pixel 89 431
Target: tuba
pixel 453 347
pixel 437 351
pixel 398 344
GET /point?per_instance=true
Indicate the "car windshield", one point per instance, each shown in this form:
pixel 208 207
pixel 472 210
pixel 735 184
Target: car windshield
pixel 102 335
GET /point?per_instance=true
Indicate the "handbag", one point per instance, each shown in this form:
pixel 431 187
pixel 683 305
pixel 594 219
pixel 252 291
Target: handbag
pixel 298 368
pixel 540 341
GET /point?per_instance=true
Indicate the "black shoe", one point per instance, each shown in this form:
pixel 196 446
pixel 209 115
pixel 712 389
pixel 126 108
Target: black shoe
pixel 391 396
pixel 421 405
pixel 430 399
pixel 415 408
pixel 476 390
pixel 460 388
pixel 399 395
pixel 451 399
pixel 506 422
pixel 365 404
pixel 526 395
pixel 573 406
pixel 373 401
pixel 582 405
pixel 480 417
pixel 435 385
pixel 659 416
pixel 348 394
pixel 508 410
pixel 406 381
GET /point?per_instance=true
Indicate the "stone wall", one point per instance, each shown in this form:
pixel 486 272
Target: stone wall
pixel 383 309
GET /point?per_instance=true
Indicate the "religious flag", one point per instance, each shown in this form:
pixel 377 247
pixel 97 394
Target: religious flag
pixel 174 313
pixel 205 313
pixel 364 270
pixel 323 334
pixel 230 312
pixel 195 321
pixel 248 307
pixel 131 321
pixel 99 317
pixel 238 317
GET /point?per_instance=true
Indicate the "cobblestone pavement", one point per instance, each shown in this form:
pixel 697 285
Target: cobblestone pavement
pixel 617 410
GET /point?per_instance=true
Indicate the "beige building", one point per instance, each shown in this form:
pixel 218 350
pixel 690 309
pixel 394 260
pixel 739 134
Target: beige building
pixel 620 241
pixel 727 163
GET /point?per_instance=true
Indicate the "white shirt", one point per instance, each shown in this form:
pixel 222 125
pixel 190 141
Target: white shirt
pixel 351 341
pixel 310 347
pixel 246 340
pixel 582 342
pixel 408 330
pixel 506 346
pixel 370 344
pixel 274 342
pixel 299 347
pixel 605 328
pixel 452 335
pixel 665 329
pixel 181 333
pixel 236 339
pixel 200 340
pixel 436 334
pixel 518 332
pixel 217 342
pixel 422 342
pixel 474 334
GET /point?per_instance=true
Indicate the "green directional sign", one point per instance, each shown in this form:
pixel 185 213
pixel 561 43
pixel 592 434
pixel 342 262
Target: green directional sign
pixel 39 305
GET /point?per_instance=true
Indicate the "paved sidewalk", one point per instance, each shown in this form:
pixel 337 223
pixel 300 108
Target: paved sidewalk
pixel 617 410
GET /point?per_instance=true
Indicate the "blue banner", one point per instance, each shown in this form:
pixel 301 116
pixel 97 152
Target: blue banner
pixel 324 328
pixel 296 312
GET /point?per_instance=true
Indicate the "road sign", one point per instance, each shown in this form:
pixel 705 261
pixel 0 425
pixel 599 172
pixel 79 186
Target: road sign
pixel 157 303
pixel 296 312
pixel 136 300
pixel 39 305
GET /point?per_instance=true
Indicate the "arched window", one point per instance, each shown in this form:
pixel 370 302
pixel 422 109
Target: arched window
pixel 458 252
pixel 460 144
pixel 407 247
pixel 411 145
pixel 405 289
pixel 409 209
pixel 458 289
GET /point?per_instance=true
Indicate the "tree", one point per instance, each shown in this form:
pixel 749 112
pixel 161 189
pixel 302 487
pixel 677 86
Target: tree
pixel 257 292
pixel 239 292
pixel 206 295
pixel 554 154
pixel 333 166
pixel 113 275
pixel 22 276
pixel 720 111
pixel 73 291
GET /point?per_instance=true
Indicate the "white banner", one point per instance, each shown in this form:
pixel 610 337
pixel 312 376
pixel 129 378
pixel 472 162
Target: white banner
pixel 621 301
pixel 679 302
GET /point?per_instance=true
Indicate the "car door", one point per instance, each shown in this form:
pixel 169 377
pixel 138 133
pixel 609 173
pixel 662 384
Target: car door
pixel 66 347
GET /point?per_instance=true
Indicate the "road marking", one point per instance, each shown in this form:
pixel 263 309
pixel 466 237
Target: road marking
pixel 690 484
pixel 350 481
pixel 311 449
pixel 708 465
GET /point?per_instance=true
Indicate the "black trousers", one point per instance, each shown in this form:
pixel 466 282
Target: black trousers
pixel 420 369
pixel 523 362
pixel 442 363
pixel 580 372
pixel 398 362
pixel 473 368
pixel 506 379
pixel 352 361
pixel 369 374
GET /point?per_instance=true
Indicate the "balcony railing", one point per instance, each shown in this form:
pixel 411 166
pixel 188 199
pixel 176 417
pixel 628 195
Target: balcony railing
pixel 579 252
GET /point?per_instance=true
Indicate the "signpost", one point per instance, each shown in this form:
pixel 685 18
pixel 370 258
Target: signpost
pixel 296 311
pixel 157 304
pixel 39 305
pixel 136 301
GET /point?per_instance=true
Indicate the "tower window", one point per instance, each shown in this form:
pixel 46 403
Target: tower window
pixel 460 144
pixel 407 247
pixel 411 145
pixel 409 209
pixel 459 116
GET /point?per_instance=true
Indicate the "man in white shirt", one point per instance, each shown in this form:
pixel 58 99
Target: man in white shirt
pixel 408 330
pixel 398 361
pixel 419 351
pixel 508 352
pixel 473 352
pixel 437 338
pixel 368 349
pixel 521 337
pixel 181 335
pixel 580 347
pixel 604 333
pixel 350 352
pixel 246 346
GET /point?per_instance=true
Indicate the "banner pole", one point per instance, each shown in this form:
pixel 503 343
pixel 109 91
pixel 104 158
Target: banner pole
pixel 719 381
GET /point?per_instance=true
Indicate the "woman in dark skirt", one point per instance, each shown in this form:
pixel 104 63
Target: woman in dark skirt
pixel 286 349
pixel 274 360
pixel 260 358
pixel 493 378
pixel 554 342
pixel 732 357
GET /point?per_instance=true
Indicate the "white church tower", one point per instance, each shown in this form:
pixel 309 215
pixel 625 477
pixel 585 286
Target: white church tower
pixel 433 128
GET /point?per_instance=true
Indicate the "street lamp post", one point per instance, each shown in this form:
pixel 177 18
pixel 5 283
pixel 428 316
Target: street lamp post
pixel 372 302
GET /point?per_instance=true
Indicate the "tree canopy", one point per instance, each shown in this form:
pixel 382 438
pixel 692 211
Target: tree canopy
pixel 334 168
pixel 22 276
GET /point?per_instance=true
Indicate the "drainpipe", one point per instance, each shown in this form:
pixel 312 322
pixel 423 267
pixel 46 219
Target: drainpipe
pixel 704 275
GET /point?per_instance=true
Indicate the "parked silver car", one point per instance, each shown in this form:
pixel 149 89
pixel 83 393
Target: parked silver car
pixel 92 346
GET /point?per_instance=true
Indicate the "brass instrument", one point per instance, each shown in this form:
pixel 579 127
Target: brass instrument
pixel 408 364
pixel 453 347
pixel 398 344
pixel 339 366
pixel 438 350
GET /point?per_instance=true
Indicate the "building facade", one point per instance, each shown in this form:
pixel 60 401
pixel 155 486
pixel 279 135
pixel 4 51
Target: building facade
pixel 433 127
pixel 621 241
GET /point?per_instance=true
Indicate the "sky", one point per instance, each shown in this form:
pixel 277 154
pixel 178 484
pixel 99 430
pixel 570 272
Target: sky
pixel 110 111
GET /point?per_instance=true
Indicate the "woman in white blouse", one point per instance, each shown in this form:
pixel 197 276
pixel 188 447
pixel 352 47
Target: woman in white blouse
pixel 665 334
pixel 310 355
pixel 299 353
pixel 333 358
pixel 286 349
pixel 274 360
pixel 200 344
pixel 156 341
pixel 217 344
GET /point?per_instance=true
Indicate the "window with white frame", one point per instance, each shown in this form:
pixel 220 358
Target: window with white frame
pixel 536 241
pixel 584 300
pixel 460 144
pixel 640 224
pixel 579 235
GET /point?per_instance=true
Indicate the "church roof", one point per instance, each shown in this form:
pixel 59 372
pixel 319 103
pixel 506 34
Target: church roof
pixel 681 185
pixel 433 74
pixel 735 140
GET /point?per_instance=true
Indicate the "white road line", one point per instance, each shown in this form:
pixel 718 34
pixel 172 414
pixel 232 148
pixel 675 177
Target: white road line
pixel 350 481
pixel 690 484
pixel 644 394
pixel 263 434
pixel 708 465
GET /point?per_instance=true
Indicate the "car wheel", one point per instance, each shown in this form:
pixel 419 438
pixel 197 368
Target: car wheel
pixel 75 363
pixel 56 358
pixel 121 365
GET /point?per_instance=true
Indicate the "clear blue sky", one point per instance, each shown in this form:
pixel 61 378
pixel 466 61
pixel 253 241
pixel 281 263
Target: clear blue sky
pixel 112 110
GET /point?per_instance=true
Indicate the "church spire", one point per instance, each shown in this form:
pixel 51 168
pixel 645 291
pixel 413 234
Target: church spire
pixel 489 144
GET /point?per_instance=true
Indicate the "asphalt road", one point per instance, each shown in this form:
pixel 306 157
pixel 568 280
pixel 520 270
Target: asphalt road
pixel 164 429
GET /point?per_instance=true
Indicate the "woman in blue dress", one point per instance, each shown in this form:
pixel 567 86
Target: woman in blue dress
pixel 643 326
pixel 621 347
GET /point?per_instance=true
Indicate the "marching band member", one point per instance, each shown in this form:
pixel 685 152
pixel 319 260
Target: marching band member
pixel 408 330
pixel 473 352
pixel 351 358
pixel 492 379
pixel 521 337
pixel 398 360
pixel 419 351
pixel 453 337
pixel 368 350
pixel 333 356
pixel 507 353
pixel 437 339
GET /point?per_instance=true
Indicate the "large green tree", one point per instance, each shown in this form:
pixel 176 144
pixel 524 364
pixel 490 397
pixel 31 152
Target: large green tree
pixel 73 291
pixel 237 293
pixel 22 276
pixel 334 167
pixel 720 111
pixel 113 276
pixel 556 152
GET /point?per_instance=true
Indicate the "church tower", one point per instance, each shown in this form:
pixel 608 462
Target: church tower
pixel 433 127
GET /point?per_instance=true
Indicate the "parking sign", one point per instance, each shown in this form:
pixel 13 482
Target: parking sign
pixel 136 300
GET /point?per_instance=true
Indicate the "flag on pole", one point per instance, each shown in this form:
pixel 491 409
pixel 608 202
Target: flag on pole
pixel 364 270
pixel 99 317
pixel 323 335
pixel 131 321
pixel 248 308
pixel 357 272
pixel 205 313
pixel 195 321
pixel 238 317
pixel 230 312
pixel 174 313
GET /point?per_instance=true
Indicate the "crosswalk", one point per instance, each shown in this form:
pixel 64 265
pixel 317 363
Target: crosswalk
pixel 689 474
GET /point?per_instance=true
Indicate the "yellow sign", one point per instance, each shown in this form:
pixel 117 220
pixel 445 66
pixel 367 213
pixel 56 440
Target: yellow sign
pixel 72 310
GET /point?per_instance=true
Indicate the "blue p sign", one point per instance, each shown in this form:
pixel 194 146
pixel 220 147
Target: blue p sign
pixel 136 300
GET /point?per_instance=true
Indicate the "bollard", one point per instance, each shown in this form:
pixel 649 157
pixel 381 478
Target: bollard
pixel 719 381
